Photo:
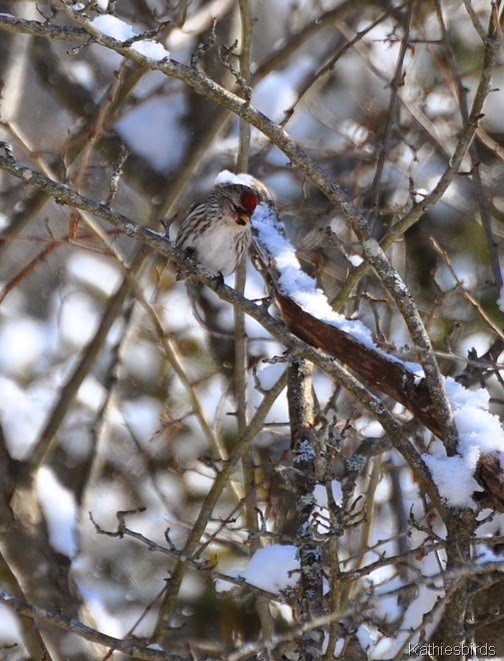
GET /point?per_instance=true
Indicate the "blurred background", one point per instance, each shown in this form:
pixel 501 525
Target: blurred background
pixel 377 93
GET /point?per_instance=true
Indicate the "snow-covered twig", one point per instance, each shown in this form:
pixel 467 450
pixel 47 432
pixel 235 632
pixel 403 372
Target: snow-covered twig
pixel 160 244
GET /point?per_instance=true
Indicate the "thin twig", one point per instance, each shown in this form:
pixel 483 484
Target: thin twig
pixel 160 244
pixel 162 626
pixel 451 171
pixel 392 120
pixel 54 619
pixel 465 293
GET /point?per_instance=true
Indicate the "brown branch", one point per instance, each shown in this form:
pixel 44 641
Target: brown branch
pixel 45 442
pixel 456 575
pixel 32 638
pixel 200 565
pixel 307 453
pixel 28 268
pixel 38 29
pixel 392 378
pixel 280 56
pixel 162 628
pixel 314 77
pixel 393 121
pixel 202 84
pixel 451 171
pixel 277 329
pixel 464 292
pixel 384 373
pixel 130 647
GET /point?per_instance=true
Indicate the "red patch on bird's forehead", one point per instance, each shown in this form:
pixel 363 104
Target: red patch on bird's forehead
pixel 249 200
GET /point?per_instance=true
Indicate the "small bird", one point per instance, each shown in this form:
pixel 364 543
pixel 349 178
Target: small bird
pixel 217 231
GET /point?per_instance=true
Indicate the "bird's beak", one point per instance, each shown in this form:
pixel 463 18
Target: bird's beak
pixel 244 217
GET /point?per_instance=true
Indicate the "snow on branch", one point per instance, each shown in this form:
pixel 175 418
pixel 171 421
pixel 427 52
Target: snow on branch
pixel 306 346
pixel 111 26
pixel 480 439
pixel 308 314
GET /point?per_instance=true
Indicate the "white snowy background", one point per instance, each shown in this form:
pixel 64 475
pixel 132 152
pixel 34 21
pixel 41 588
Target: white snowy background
pixel 148 448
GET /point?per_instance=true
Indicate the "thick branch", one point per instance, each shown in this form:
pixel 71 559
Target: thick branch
pixel 307 452
pixel 131 648
pixel 391 280
pixel 380 371
pixel 277 329
pixel 38 29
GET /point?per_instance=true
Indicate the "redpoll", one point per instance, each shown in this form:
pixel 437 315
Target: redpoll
pixel 217 232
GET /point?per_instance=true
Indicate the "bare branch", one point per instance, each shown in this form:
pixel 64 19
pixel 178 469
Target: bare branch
pixel 132 648
pixel 163 246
